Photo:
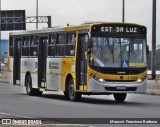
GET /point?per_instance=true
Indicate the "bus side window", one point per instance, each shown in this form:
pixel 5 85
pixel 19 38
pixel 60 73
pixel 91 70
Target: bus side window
pixel 34 46
pixel 11 46
pixel 51 46
pixel 60 45
pixel 25 46
pixel 70 44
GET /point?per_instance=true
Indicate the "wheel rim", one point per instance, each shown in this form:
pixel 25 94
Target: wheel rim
pixel 28 86
pixel 71 90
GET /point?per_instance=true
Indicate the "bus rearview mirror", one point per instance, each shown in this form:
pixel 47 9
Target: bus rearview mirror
pixel 71 52
pixel 34 53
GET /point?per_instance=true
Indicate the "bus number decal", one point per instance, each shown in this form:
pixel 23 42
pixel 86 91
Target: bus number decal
pixel 133 77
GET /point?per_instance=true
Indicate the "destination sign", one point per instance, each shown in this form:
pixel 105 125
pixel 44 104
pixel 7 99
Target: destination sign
pixel 119 29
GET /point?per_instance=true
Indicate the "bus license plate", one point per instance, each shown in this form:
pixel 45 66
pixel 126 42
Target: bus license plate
pixel 121 88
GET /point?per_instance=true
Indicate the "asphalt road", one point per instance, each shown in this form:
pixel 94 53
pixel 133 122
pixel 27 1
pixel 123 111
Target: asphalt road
pixel 14 101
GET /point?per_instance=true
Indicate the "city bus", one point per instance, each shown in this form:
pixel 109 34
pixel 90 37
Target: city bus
pixel 94 58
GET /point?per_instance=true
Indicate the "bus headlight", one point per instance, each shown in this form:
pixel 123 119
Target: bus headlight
pixel 101 80
pixel 141 80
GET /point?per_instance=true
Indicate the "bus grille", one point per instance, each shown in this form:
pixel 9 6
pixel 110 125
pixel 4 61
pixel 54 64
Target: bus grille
pixel 115 89
pixel 120 80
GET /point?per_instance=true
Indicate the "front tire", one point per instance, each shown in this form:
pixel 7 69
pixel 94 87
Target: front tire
pixel 73 95
pixel 120 97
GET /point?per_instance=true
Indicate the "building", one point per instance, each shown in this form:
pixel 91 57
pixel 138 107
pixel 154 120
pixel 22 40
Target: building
pixel 4 49
pixel 157 47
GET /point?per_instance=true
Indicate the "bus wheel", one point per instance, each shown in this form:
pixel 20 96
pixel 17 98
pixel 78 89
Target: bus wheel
pixel 29 88
pixel 120 97
pixel 31 91
pixel 37 92
pixel 73 96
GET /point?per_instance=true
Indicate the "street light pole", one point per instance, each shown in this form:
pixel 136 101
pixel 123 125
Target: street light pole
pixel 37 14
pixel 154 40
pixel 123 11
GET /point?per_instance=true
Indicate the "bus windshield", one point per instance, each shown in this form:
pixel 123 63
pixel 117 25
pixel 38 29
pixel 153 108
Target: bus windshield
pixel 117 52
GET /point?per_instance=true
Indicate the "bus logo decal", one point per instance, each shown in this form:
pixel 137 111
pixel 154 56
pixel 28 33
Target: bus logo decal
pixel 53 65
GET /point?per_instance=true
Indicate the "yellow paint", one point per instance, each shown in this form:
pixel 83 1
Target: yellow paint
pixel 66 68
pixel 76 28
pixel 137 64
pixel 52 73
pixel 83 87
pixel 42 89
pixel 76 46
pixel 34 72
pixel 117 77
pixel 8 61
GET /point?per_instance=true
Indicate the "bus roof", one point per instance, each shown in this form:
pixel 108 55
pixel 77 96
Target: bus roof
pixel 85 26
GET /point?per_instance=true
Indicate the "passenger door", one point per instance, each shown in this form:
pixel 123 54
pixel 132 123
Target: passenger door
pixel 42 61
pixel 81 61
pixel 17 60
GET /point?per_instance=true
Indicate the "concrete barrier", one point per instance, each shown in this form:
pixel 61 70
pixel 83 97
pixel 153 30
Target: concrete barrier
pixel 153 87
pixel 4 76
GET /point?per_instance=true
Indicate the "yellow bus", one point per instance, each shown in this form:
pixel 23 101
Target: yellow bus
pixel 89 59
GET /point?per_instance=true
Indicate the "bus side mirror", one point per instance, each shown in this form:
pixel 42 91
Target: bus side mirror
pixel 34 53
pixel 71 52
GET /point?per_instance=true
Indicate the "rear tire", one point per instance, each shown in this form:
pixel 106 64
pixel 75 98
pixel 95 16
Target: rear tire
pixel 37 92
pixel 29 88
pixel 31 91
pixel 120 97
pixel 73 95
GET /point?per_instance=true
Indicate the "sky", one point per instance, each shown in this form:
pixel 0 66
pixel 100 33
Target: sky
pixel 75 12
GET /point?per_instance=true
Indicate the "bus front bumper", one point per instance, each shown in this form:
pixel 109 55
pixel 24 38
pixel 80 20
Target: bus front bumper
pixel 116 87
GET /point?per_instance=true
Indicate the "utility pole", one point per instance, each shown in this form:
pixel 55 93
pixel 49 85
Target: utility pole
pixel 37 14
pixel 123 10
pixel 153 62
